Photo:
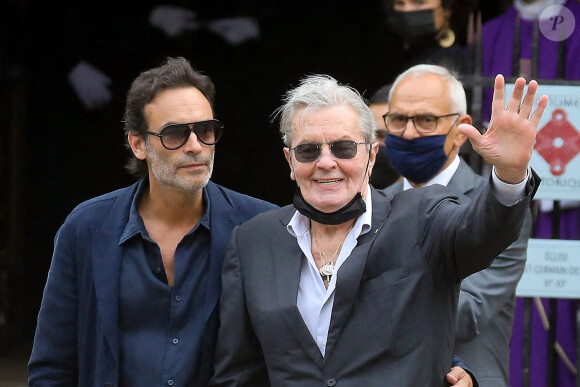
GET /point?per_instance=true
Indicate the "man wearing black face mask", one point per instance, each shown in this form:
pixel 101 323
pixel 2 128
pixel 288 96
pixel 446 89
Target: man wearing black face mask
pixel 426 105
pixel 349 286
pixel 426 33
pixel 383 173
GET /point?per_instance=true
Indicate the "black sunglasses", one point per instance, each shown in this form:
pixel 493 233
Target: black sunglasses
pixel 343 149
pixel 174 136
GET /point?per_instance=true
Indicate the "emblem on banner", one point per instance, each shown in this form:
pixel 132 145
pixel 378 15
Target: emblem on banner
pixel 558 142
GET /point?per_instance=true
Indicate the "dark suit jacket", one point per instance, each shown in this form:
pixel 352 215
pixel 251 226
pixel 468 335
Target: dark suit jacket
pixel 487 298
pixel 77 336
pixel 393 318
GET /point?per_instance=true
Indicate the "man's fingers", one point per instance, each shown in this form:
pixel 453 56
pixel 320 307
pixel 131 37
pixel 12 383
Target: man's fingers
pixel 455 375
pixel 516 97
pixel 451 378
pixel 498 103
pixel 458 377
pixel 537 114
pixel 528 103
pixel 470 131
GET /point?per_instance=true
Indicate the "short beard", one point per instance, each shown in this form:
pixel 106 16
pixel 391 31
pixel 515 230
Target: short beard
pixel 166 173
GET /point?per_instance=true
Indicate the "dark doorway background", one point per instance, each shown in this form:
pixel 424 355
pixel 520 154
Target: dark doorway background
pixel 64 154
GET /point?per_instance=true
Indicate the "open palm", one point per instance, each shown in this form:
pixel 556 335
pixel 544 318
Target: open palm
pixel 509 140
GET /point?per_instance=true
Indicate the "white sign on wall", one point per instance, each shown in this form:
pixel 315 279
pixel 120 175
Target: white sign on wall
pixel 556 156
pixel 552 269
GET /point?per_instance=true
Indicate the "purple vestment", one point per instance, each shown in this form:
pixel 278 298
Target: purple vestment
pixel 497 59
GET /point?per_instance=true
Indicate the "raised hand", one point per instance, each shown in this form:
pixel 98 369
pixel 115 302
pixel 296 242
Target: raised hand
pixel 509 140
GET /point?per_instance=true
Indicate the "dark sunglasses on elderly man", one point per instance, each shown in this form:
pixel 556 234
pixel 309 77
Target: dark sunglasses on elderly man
pixel 174 136
pixel 343 149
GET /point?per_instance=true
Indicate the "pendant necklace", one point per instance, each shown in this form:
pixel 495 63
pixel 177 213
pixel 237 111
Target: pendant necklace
pixel 327 269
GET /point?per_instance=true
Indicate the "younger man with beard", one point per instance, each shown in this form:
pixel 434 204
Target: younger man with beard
pixel 131 296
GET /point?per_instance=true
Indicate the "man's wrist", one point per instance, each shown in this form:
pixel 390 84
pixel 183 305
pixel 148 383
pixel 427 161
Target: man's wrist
pixel 508 193
pixel 511 177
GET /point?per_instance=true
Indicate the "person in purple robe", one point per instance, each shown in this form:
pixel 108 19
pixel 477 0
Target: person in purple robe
pixel 498 57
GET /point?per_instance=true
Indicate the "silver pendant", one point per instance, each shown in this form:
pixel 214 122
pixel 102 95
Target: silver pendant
pixel 327 270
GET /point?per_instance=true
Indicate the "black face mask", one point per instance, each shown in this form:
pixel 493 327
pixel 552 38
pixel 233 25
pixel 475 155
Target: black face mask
pixel 351 210
pixel 414 25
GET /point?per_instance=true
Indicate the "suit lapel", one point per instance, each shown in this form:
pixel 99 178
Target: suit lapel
pixel 287 263
pixel 106 263
pixel 351 271
pixel 463 180
pixel 107 255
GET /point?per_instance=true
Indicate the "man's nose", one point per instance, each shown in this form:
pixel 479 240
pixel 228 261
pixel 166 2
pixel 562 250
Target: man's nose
pixel 410 130
pixel 326 158
pixel 193 144
pixel 408 6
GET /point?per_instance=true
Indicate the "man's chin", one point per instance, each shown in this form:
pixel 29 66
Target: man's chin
pixel 193 186
pixel 193 180
pixel 199 183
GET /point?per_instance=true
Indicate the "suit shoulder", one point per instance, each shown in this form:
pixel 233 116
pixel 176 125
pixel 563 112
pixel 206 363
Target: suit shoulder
pixel 267 219
pixel 100 206
pixel 426 198
pixel 392 190
pixel 245 204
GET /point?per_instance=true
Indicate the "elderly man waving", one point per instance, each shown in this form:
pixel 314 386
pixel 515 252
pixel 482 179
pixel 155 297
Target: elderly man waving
pixel 348 286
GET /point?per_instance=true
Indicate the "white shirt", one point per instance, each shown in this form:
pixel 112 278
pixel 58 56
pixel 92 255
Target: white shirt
pixel 314 301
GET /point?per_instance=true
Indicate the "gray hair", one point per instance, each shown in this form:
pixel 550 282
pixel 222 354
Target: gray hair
pixel 320 91
pixel 454 86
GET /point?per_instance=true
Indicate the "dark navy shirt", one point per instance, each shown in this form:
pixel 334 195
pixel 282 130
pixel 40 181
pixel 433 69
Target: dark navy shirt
pixel 160 333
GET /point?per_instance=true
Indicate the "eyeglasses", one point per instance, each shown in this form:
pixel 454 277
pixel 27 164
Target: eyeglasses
pixel 174 136
pixel 424 123
pixel 343 149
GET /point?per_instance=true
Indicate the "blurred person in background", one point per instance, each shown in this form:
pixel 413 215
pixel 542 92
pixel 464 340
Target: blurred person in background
pixel 430 31
pixel 557 59
pixel 383 173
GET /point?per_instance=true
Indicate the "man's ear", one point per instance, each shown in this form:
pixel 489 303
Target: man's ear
pixel 137 144
pixel 289 160
pixel 460 138
pixel 372 157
